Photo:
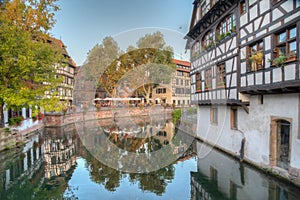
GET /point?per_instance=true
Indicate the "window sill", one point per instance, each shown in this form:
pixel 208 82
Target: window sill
pixel 289 60
pixel 221 86
pixel 254 71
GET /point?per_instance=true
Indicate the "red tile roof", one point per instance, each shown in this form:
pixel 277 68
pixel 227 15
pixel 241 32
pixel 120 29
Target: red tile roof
pixel 181 62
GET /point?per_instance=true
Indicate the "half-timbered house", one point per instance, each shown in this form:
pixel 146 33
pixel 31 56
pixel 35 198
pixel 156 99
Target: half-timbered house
pixel 245 79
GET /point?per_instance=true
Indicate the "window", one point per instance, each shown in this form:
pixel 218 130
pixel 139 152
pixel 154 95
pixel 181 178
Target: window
pixel 242 7
pixel 233 118
pixel 256 57
pixel 221 75
pixel 160 90
pixel 286 44
pixel 195 49
pixel 208 79
pixel 207 40
pixel 179 73
pixel 177 82
pixel 214 115
pixel 179 90
pixel 198 82
pixel 226 27
pixel 181 81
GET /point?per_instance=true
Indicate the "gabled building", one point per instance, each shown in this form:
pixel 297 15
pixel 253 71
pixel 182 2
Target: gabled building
pixel 245 79
pixel 178 91
pixel 67 71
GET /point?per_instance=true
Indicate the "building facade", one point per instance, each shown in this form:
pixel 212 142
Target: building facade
pixel 66 70
pixel 245 79
pixel 178 91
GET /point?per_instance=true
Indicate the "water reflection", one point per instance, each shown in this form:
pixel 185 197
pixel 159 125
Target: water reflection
pixel 44 167
pixel 56 165
pixel 134 144
pixel 221 177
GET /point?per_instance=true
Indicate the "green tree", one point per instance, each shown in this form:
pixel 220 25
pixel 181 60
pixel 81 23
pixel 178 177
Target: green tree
pixel 99 58
pixel 27 63
pixel 141 68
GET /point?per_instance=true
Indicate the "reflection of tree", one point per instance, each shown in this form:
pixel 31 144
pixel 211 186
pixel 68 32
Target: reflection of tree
pixel 102 174
pixel 154 181
pixel 110 178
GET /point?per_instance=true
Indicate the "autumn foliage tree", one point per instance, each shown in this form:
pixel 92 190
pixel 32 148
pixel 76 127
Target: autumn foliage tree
pixel 27 62
pixel 142 67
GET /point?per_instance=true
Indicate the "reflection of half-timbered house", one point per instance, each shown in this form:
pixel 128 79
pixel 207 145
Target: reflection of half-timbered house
pixel 245 78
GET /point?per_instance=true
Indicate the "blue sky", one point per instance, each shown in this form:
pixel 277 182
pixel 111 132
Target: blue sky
pixel 83 23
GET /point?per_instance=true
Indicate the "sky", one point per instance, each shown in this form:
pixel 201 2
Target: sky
pixel 81 24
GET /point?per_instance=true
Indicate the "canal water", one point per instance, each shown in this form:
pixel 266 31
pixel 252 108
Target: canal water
pixel 58 163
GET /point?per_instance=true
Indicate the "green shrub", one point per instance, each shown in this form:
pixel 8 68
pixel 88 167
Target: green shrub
pixel 192 111
pixel 15 121
pixel 176 115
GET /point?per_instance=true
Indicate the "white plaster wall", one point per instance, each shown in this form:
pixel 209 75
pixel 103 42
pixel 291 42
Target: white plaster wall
pixel 221 134
pixel 255 126
pixel 264 6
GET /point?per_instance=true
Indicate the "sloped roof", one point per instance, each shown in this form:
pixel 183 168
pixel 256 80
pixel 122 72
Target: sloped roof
pixel 181 62
pixel 58 43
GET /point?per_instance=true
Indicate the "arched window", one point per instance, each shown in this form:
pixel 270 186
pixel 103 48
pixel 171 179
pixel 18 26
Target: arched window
pixel 226 27
pixel 207 40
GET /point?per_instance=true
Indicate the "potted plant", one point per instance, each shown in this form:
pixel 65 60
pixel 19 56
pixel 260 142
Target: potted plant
pixel 221 84
pixel 279 61
pixel 233 29
pixel 40 116
pixel 291 56
pixel 227 34
pixel 207 87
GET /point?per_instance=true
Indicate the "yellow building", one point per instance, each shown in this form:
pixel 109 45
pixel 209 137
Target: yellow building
pixel 178 91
